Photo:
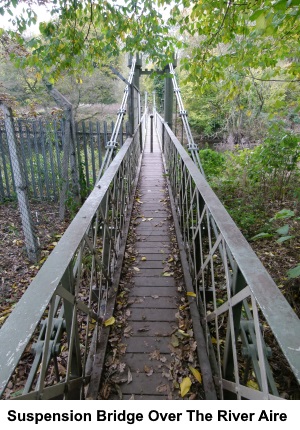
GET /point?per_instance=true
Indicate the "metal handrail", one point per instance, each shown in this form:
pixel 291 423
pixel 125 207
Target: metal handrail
pixel 237 299
pixel 57 322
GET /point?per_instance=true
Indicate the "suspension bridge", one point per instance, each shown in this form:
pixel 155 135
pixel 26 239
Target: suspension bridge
pixel 150 196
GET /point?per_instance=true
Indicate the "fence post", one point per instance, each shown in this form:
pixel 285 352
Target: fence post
pixel 69 151
pixel 31 242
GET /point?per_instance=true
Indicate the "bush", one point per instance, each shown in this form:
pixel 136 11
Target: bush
pixel 213 162
pixel 253 182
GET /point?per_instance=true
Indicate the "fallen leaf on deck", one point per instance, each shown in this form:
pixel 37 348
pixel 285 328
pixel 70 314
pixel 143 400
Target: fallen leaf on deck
pixel 109 321
pixel 196 374
pixel 190 294
pixel 162 388
pixel 129 377
pixel 185 386
pixel 155 355
pixel 174 341
pixel 148 370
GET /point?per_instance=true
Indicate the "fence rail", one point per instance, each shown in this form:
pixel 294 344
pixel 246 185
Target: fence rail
pixel 49 340
pixel 41 144
pixel 252 334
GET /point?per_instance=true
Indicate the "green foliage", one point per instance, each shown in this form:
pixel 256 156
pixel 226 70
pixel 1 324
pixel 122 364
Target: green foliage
pixel 256 35
pixel 213 162
pixel 252 179
pixel 84 34
pixel 294 272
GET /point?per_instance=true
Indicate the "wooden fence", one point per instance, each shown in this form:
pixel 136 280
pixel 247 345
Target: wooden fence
pixel 41 142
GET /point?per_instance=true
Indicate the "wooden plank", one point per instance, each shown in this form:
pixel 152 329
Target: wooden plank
pixel 150 302
pixel 154 328
pixel 146 315
pixel 154 246
pixel 152 264
pixel 154 231
pixel 161 281
pixel 156 215
pixel 147 344
pixel 149 272
pixel 154 257
pixel 143 384
pixel 152 239
pixel 138 360
pixel 144 291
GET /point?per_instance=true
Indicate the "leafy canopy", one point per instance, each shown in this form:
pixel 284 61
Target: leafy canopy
pixel 83 34
pixel 256 38
pixel 239 36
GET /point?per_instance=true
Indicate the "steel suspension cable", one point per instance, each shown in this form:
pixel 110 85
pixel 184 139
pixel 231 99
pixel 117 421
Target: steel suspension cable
pixel 192 146
pixel 113 143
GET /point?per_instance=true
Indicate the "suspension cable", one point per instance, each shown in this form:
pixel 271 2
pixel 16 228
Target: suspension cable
pixel 112 144
pixel 192 146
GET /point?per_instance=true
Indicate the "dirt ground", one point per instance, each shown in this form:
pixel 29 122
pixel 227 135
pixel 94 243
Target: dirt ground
pixel 16 271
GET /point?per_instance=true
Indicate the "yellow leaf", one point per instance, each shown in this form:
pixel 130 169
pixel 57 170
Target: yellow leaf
pixel 196 373
pixel 143 258
pixel 191 294
pixel 252 384
pixel 170 260
pixel 214 340
pixel 109 321
pixel 185 386
pixel 167 274
pixel 136 269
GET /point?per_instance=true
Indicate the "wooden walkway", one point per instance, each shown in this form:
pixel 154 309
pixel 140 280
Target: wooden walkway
pixel 153 296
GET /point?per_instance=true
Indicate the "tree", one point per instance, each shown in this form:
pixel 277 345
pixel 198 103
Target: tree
pixel 84 34
pixel 259 35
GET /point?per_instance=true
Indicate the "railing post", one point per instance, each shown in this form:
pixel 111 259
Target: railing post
pixel 141 136
pixel 168 99
pixel 163 136
pixel 151 133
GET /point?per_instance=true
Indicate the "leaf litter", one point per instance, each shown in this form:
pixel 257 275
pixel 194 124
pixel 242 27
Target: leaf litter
pixel 174 367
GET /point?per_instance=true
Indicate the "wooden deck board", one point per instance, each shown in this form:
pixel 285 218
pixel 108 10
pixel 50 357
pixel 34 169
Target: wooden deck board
pixel 153 301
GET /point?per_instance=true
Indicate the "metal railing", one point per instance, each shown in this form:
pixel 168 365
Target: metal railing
pixel 252 334
pixel 48 342
pixel 113 143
